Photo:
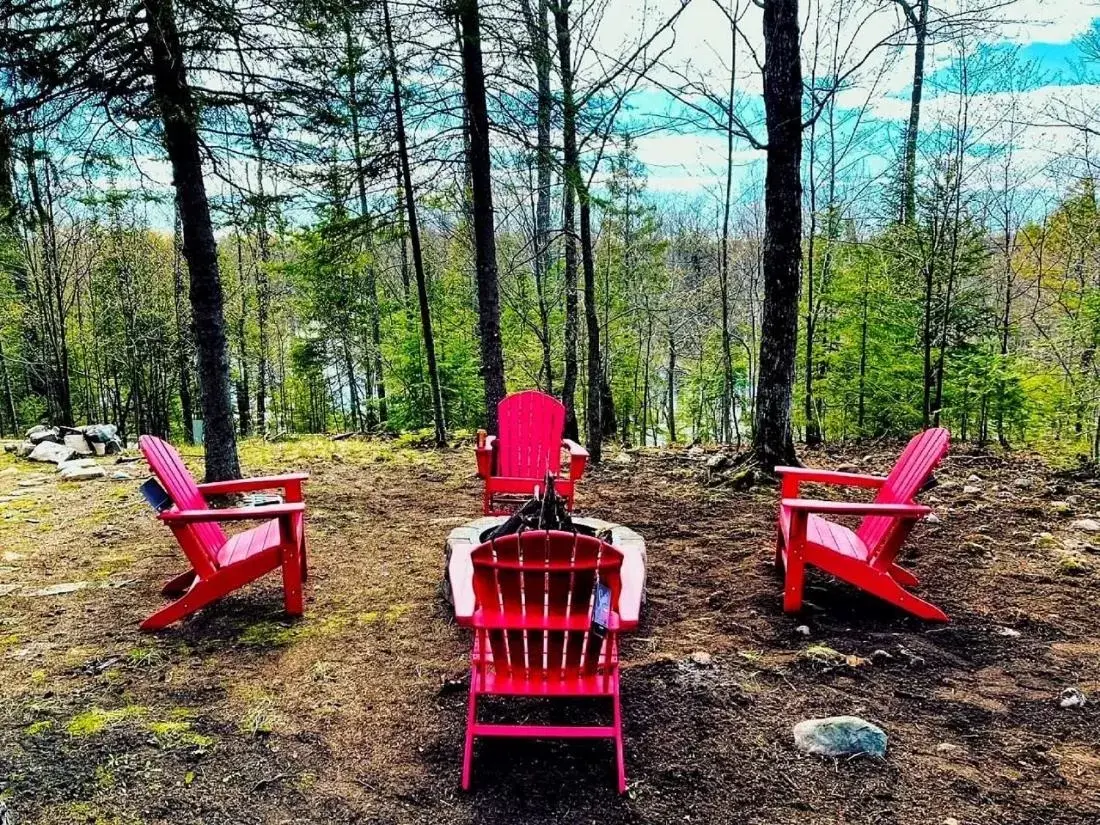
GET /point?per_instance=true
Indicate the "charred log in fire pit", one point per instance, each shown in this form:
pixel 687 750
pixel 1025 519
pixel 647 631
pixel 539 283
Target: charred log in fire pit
pixel 545 513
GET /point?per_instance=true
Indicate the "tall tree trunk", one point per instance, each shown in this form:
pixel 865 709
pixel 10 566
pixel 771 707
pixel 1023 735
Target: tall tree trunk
pixel 414 236
pixel 571 179
pixel 813 429
pixel 244 394
pixel 177 108
pixel 917 14
pixel 183 343
pixel 538 28
pixel 594 408
pixel 772 441
pixel 724 262
pixel 671 387
pixel 364 214
pixel 485 245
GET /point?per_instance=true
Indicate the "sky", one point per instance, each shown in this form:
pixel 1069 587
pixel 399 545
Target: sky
pixel 1042 38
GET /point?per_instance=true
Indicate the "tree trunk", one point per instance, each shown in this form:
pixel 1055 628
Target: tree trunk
pixel 569 222
pixel 177 108
pixel 594 409
pixel 538 29
pixel 485 246
pixel 414 236
pixel 772 441
pixel 917 15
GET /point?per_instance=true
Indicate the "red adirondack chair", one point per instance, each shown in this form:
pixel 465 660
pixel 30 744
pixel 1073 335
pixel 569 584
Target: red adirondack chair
pixel 864 557
pixel 221 564
pixel 534 632
pixel 529 446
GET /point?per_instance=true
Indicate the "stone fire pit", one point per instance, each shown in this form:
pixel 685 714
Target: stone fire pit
pixel 458 585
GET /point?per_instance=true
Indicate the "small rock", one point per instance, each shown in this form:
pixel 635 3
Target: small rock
pixel 823 654
pixel 701 658
pixel 971 490
pixel 972 478
pixel 946 747
pixel 78 444
pixel 840 736
pixel 847 468
pixel 120 475
pixel 803 629
pixel 1072 698
pixel 82 473
pixel 1062 508
pixel 30 482
pixel 718 461
pixel 1024 482
pixel 932 518
pixel 1008 632
pixel 60 589
pixel 1073 500
pixel 881 655
pixel 950 820
pixel 24 449
pixel 695 450
pixel 50 452
pixel 1086 525
pixel 623 458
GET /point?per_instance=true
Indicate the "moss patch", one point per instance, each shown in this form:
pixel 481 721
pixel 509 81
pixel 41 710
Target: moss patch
pixel 97 719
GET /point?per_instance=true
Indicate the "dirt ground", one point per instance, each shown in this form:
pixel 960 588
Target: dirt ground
pixel 355 714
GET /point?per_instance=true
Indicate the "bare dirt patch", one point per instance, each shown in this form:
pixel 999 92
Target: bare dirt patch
pixel 355 714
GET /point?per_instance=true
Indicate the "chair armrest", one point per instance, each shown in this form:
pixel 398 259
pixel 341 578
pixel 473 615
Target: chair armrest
pixel 578 458
pixel 794 476
pixel 809 474
pixel 485 457
pixel 855 508
pixel 246 485
pixel 232 513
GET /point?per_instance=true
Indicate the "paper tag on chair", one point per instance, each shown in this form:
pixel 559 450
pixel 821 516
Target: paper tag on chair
pixel 601 612
pixel 156 495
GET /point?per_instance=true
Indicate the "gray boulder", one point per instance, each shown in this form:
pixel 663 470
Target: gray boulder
pixel 23 449
pixel 840 736
pixel 50 452
pixel 78 444
pixel 40 433
pixel 105 434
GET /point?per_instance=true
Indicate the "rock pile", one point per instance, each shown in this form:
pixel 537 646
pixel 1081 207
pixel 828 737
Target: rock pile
pixel 72 449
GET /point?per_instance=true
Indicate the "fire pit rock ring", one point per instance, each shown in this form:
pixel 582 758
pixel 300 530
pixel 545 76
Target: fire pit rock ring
pixel 458 577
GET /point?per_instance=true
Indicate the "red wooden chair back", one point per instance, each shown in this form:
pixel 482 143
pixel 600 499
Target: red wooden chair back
pixel 884 535
pixel 201 542
pixel 529 439
pixel 535 591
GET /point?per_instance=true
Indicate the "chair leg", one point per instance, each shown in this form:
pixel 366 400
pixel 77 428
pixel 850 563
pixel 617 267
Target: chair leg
pixel 620 759
pixel 903 576
pixel 468 750
pixel 178 585
pixel 779 550
pixel 302 552
pixel 202 594
pixel 487 501
pixel 886 588
pixel 292 581
pixel 793 581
